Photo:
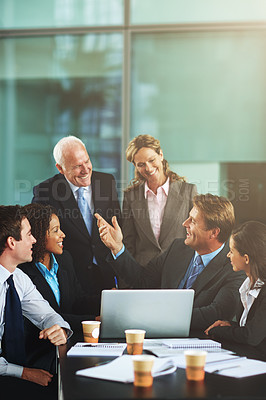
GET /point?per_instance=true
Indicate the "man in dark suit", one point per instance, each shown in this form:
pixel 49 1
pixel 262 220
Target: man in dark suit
pixel 62 191
pixel 200 262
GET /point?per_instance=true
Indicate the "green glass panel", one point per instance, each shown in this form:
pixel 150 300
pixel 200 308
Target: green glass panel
pixel 194 11
pixel 202 94
pixel 51 87
pixel 59 13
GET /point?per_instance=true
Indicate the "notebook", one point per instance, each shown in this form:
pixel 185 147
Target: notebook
pixel 161 312
pixel 97 349
pixel 173 347
pixel 192 343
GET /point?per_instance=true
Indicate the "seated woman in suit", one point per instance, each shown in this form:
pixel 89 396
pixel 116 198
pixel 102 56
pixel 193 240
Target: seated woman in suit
pixel 247 253
pixel 52 272
pixel 156 203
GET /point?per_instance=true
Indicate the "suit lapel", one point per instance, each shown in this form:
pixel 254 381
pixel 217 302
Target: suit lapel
pixel 182 267
pixel 99 201
pixel 178 262
pixel 63 286
pixel 255 304
pixel 213 268
pixel 173 202
pixel 43 286
pixel 70 207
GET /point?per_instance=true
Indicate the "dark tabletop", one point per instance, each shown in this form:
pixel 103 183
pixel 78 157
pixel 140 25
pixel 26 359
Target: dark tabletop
pixel 172 386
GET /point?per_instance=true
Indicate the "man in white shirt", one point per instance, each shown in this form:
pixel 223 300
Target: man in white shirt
pixel 16 243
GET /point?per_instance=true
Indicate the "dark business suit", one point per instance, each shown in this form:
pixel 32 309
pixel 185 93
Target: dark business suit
pixel 216 288
pixel 57 192
pixel 254 332
pixel 75 306
pixel 73 299
pixel 138 234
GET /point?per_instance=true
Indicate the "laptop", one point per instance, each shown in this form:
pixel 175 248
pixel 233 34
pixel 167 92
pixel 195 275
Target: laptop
pixel 161 312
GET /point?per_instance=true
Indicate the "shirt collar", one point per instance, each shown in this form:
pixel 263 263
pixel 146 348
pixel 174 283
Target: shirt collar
pixel 54 262
pixel 54 268
pixel 4 274
pixel 245 287
pixel 258 284
pixel 74 188
pixel 206 258
pixel 164 187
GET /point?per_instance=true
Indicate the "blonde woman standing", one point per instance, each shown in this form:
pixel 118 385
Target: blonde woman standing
pixel 155 204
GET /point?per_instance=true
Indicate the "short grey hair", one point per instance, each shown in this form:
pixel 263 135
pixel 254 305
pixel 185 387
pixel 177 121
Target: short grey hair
pixel 59 147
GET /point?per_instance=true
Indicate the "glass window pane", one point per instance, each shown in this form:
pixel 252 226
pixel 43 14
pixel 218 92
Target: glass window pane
pixel 73 86
pixel 185 11
pixel 59 13
pixel 203 91
pixel 203 96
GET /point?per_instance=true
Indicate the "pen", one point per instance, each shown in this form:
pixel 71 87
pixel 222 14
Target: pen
pixel 221 369
pixel 102 363
pixel 105 346
pixel 226 360
pixel 116 283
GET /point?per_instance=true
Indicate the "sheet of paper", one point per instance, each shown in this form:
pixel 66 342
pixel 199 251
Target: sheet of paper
pixel 212 358
pixel 240 368
pixel 153 342
pixel 163 351
pixel 97 349
pixel 121 369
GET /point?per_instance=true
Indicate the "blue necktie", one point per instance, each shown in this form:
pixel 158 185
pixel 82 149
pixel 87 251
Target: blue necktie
pixel 13 345
pixel 85 209
pixel 196 270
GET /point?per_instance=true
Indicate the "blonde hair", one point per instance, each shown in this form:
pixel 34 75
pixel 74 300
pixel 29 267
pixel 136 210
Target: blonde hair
pixel 218 212
pixel 150 142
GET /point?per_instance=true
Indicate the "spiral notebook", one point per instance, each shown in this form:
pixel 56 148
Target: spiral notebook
pixel 97 349
pixel 191 343
pixel 173 347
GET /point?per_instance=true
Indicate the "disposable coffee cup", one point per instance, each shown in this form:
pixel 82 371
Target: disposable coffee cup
pixel 195 363
pixel 143 370
pixel 134 339
pixel 91 331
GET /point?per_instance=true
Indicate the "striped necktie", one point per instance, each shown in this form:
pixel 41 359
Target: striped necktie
pixel 85 209
pixel 196 270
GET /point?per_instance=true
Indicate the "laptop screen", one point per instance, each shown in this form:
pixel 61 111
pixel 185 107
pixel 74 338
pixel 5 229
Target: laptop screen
pixel 161 312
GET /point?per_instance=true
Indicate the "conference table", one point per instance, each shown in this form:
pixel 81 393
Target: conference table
pixel 172 386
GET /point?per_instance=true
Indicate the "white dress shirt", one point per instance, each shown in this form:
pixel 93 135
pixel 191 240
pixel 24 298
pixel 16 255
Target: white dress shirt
pixel 34 307
pixel 248 297
pixel 156 205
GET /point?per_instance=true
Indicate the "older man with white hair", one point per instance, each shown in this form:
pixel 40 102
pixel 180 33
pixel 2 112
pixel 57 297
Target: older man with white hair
pixel 77 192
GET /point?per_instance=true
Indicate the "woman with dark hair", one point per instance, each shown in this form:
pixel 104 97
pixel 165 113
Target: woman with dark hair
pixel 52 272
pixel 247 253
pixel 156 203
